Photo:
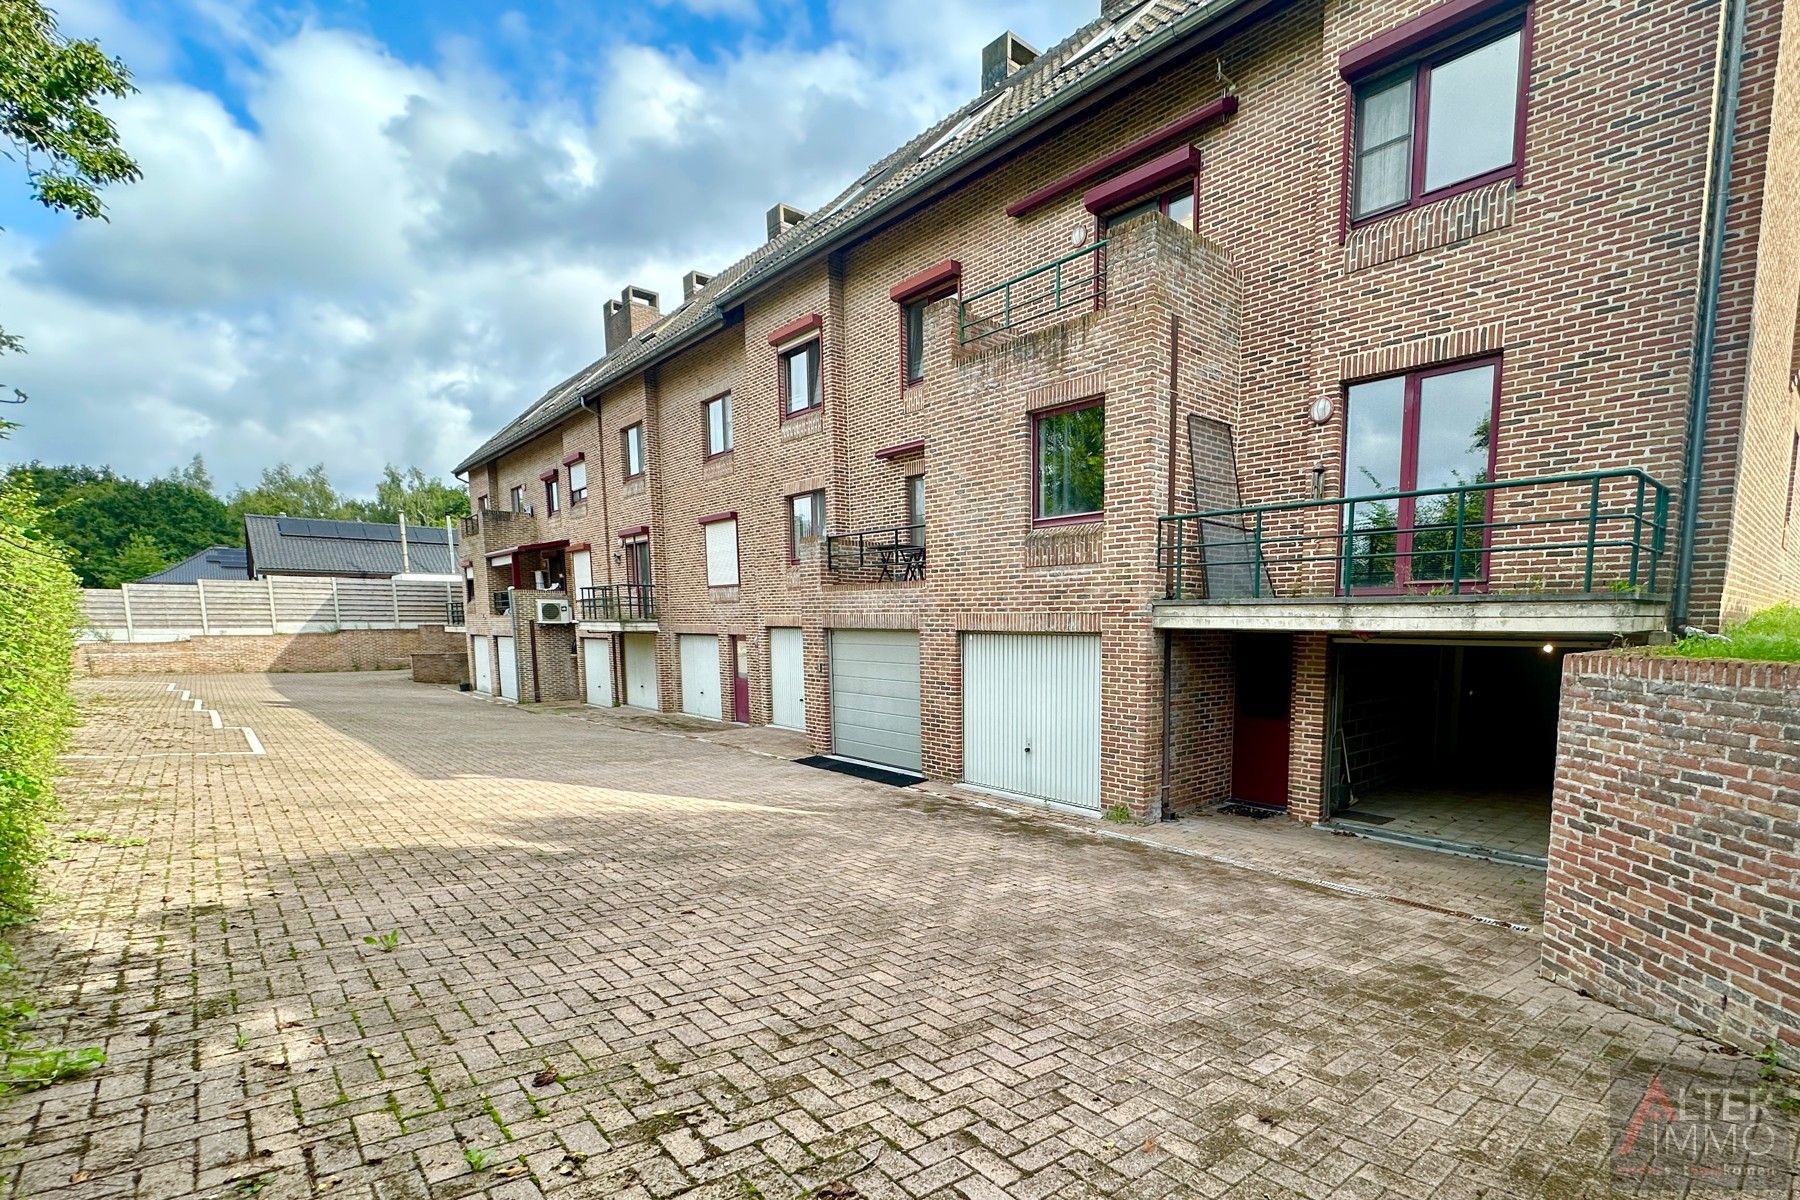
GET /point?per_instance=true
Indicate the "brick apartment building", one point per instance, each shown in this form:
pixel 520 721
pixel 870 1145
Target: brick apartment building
pixel 1243 400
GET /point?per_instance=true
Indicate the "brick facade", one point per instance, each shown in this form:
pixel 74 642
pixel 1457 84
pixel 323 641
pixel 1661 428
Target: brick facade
pixel 222 654
pixel 1672 887
pixel 1582 280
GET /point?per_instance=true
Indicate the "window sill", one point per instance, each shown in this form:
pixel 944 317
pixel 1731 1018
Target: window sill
pixel 1094 518
pixel 1402 233
pixel 800 414
pixel 1449 192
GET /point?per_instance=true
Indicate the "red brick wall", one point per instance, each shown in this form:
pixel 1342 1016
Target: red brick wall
pixel 346 650
pixel 1674 885
pixel 1583 279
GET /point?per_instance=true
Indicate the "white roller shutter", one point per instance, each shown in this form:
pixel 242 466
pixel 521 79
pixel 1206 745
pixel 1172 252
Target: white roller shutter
pixel 721 554
pixel 1031 715
pixel 875 696
pixel 700 676
pixel 787 678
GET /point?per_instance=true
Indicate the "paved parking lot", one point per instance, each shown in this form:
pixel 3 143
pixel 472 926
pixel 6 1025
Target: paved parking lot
pixel 420 945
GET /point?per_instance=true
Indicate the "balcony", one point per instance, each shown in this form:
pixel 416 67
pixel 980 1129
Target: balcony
pixel 499 524
pixel 1558 554
pixel 502 602
pixel 620 604
pixel 894 555
pixel 1039 297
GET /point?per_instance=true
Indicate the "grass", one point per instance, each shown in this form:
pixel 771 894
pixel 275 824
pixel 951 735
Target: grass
pixel 1772 635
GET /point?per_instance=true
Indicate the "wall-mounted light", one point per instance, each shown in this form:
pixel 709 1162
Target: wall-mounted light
pixel 1318 481
pixel 1549 647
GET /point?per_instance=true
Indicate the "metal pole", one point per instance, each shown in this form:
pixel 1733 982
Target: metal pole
pixel 125 594
pixel 274 625
pixel 200 589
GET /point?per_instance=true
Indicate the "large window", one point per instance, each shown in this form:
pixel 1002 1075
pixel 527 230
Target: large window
pixel 800 379
pixel 631 450
pixel 1428 431
pixel 718 425
pixel 1070 468
pixel 806 523
pixel 1445 122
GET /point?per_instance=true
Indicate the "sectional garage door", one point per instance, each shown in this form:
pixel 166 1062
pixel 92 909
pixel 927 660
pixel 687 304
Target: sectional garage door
pixel 700 676
pixel 482 651
pixel 875 696
pixel 640 671
pixel 1031 715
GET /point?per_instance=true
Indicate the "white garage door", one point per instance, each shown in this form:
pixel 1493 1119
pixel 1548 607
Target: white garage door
pixel 700 676
pixel 509 667
pixel 483 653
pixel 640 671
pixel 787 678
pixel 1031 715
pixel 875 696
pixel 596 662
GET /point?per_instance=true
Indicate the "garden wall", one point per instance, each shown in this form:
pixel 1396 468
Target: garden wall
pixel 346 650
pixel 1674 883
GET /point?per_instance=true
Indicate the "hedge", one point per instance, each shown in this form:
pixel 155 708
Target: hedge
pixel 40 611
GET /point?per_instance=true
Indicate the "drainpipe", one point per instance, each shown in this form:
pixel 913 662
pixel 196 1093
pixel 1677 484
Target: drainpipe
pixel 1168 638
pixel 1712 268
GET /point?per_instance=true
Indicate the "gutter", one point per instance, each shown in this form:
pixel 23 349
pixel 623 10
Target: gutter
pixel 1729 77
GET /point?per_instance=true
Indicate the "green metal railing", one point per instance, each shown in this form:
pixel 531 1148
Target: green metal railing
pixel 1596 533
pixel 1073 280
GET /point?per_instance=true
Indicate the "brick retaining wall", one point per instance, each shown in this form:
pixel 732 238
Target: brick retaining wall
pixel 1674 884
pixel 346 650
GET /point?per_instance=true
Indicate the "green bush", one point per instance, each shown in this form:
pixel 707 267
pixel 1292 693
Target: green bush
pixel 1772 635
pixel 40 610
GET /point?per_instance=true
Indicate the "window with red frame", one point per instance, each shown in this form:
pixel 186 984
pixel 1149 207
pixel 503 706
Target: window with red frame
pixel 631 450
pixel 1430 430
pixel 806 523
pixel 578 482
pixel 481 503
pixel 800 379
pixel 1176 204
pixel 1069 463
pixel 517 497
pixel 1445 121
pixel 912 319
pixel 718 425
pixel 552 489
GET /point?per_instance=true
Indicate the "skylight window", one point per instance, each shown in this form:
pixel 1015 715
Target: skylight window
pixel 961 127
pixel 1108 33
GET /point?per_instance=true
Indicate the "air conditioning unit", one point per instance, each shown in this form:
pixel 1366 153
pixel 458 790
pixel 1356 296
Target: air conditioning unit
pixel 554 612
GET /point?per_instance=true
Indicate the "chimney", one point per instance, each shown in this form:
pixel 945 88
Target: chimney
pixel 1003 56
pixel 692 282
pixel 782 218
pixel 633 312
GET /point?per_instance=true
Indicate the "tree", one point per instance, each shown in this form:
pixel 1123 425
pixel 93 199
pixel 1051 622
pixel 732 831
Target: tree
pixel 97 514
pixel 138 557
pixel 426 501
pixel 194 475
pixel 49 120
pixel 283 491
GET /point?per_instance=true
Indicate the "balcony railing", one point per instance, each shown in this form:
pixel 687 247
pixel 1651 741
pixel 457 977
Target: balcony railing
pixel 894 555
pixel 455 614
pixel 502 603
pixel 1076 280
pixel 619 602
pixel 1603 533
pixel 497 517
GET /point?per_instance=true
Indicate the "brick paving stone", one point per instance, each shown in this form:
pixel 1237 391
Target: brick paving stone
pixel 749 974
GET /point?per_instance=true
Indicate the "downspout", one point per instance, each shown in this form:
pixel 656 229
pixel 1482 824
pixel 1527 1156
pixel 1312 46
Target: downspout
pixel 1712 269
pixel 1168 638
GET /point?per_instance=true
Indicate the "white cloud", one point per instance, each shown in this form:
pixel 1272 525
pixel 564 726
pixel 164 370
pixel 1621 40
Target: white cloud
pixel 365 260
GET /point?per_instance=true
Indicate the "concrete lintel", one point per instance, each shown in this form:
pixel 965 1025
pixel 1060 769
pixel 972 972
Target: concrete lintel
pixel 1450 618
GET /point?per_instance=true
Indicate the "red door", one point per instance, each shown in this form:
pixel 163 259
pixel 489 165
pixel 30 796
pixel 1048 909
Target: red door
pixel 740 680
pixel 1259 753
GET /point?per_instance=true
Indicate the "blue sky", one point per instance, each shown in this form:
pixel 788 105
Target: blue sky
pixel 373 231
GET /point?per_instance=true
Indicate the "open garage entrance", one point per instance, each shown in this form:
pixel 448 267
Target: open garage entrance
pixel 1449 745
